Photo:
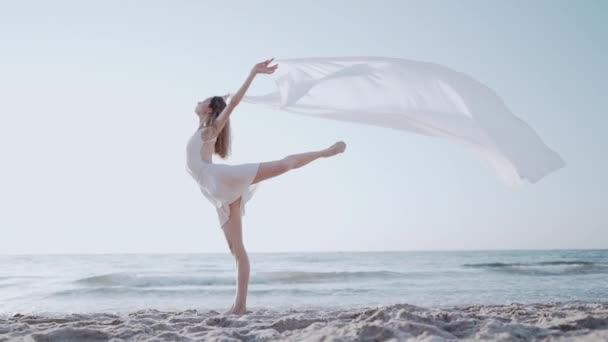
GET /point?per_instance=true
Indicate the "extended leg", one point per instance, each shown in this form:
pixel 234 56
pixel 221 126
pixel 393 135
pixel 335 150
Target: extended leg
pixel 274 168
pixel 234 236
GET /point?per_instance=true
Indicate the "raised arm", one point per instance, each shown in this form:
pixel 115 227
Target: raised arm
pixel 260 68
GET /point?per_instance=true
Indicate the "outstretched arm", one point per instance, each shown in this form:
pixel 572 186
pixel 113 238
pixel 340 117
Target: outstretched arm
pixel 260 68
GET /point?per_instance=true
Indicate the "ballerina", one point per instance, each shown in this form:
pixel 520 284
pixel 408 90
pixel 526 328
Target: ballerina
pixel 229 187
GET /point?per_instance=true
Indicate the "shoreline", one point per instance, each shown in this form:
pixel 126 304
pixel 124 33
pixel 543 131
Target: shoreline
pixel 576 320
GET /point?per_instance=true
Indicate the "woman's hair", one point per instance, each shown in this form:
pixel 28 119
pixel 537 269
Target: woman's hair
pixel 222 144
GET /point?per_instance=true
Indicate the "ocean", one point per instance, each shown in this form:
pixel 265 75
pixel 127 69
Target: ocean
pixel 121 283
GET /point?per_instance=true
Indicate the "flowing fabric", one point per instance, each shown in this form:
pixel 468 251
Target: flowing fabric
pixel 413 96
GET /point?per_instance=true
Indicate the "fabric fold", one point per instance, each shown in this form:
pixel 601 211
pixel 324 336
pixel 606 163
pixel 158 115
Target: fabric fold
pixel 417 97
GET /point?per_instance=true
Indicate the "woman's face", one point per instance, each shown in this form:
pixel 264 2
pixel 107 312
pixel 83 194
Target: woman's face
pixel 202 108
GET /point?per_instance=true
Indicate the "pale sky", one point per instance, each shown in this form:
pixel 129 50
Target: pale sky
pixel 97 106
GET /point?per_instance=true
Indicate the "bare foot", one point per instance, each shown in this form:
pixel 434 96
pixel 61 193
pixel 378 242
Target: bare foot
pixel 229 310
pixel 239 310
pixel 334 149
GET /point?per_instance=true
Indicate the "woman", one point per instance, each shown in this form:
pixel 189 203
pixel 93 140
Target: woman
pixel 228 187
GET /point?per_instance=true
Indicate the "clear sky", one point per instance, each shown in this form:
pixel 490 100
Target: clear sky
pixel 96 107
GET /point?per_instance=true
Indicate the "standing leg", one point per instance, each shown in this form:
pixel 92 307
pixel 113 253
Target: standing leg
pixel 274 168
pixel 234 236
pixel 233 227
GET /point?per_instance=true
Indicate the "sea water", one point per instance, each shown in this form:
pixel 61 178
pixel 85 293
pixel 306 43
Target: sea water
pixel 121 283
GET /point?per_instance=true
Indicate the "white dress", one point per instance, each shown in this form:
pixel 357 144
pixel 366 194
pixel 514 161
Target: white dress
pixel 222 184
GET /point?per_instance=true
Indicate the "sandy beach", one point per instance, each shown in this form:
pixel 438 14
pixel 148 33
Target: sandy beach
pixel 575 321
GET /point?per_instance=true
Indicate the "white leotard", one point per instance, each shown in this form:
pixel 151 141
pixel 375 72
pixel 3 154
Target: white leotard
pixel 221 184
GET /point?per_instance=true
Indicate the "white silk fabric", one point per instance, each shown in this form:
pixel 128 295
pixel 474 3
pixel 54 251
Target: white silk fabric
pixel 417 97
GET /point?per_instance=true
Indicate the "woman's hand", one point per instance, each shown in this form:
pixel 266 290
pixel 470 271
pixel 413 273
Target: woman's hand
pixel 260 68
pixel 264 68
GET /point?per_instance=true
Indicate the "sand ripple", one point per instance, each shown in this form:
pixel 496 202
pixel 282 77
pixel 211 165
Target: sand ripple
pixel 399 322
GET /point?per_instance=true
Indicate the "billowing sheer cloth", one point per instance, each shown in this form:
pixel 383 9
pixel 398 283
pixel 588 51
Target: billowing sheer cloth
pixel 417 97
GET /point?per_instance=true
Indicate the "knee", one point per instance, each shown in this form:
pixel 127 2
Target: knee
pixel 231 248
pixel 239 253
pixel 287 163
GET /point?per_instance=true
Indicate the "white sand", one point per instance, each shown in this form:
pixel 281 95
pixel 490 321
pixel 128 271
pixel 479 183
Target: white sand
pixel 515 322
